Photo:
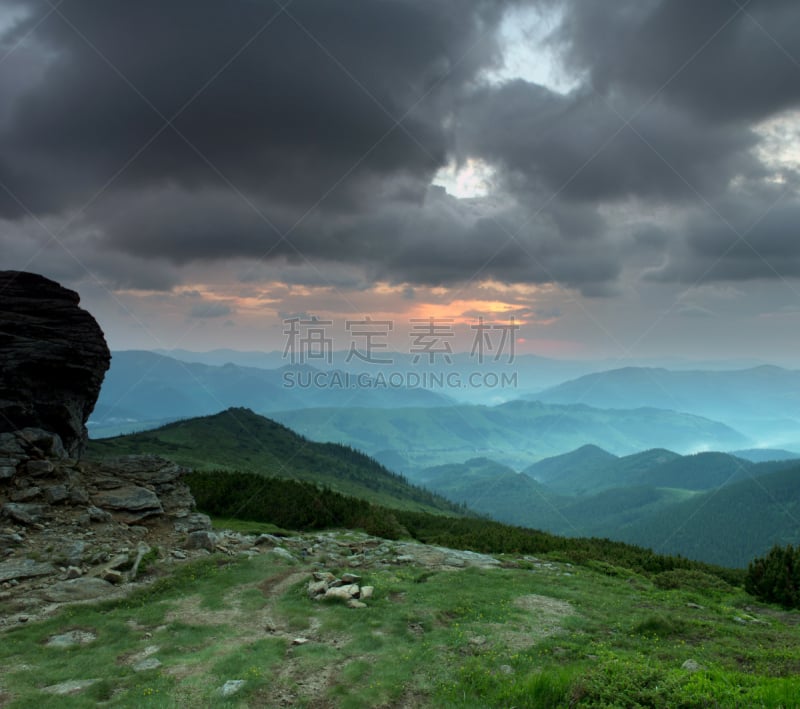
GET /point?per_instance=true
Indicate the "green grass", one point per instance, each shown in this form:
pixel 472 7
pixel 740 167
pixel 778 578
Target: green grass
pixel 522 636
pixel 246 527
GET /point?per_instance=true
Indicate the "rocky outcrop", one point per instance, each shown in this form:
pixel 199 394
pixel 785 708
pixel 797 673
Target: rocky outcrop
pixel 75 530
pixel 128 489
pixel 71 530
pixel 54 359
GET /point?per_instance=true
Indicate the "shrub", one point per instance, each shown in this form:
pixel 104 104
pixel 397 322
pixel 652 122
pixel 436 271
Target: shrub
pixel 690 580
pixel 776 577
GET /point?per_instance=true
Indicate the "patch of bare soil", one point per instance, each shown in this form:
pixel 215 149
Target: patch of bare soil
pixel 295 684
pixel 542 620
pixel 277 585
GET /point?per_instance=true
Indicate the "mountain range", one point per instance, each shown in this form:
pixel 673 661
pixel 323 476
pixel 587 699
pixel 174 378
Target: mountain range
pixel 714 507
pixel 516 433
pixel 709 506
pixel 144 389
pixel 762 402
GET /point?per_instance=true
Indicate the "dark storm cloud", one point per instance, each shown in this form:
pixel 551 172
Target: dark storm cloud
pixel 579 145
pixel 304 95
pixel 444 245
pixel 284 145
pixel 751 239
pixel 724 59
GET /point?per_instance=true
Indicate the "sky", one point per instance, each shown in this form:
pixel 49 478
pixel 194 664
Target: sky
pixel 619 178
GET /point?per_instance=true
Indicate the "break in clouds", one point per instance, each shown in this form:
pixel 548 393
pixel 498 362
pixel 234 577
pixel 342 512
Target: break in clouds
pixel 152 138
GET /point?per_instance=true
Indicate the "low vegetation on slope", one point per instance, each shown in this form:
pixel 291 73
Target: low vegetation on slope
pixel 530 632
pixel 775 578
pixel 303 506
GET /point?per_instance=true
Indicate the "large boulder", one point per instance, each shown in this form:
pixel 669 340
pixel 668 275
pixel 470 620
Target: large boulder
pixel 54 359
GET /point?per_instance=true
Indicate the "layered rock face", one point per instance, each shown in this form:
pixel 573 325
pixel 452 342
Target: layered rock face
pixel 69 529
pixel 54 357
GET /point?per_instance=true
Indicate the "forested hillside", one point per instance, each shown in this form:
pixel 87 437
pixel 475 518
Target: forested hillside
pixel 238 439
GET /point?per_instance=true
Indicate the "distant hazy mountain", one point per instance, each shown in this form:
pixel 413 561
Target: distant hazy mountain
pixel 655 468
pixel 517 433
pixel 762 455
pixel 144 388
pixel 587 458
pixel 762 402
pixel 533 373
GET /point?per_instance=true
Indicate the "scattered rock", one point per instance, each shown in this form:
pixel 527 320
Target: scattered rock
pixel 81 589
pixel 149 651
pixel 148 663
pixel 112 576
pixel 98 515
pixel 11 539
pixel 118 561
pixel 40 442
pixel 202 540
pixel 130 498
pixel 325 576
pixel 25 494
pixel 316 588
pixel 231 687
pixel 282 553
pixel 7 471
pixel 454 561
pixel 24 569
pixel 366 592
pixel 692 666
pixel 23 513
pixel 73 686
pixel 267 539
pixel 39 468
pixel 70 639
pixel 72 552
pixel 353 603
pixel 344 593
pixel 350 578
pixel 55 494
pixel 79 496
pixel 696 606
pixel 196 522
pixel 300 641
